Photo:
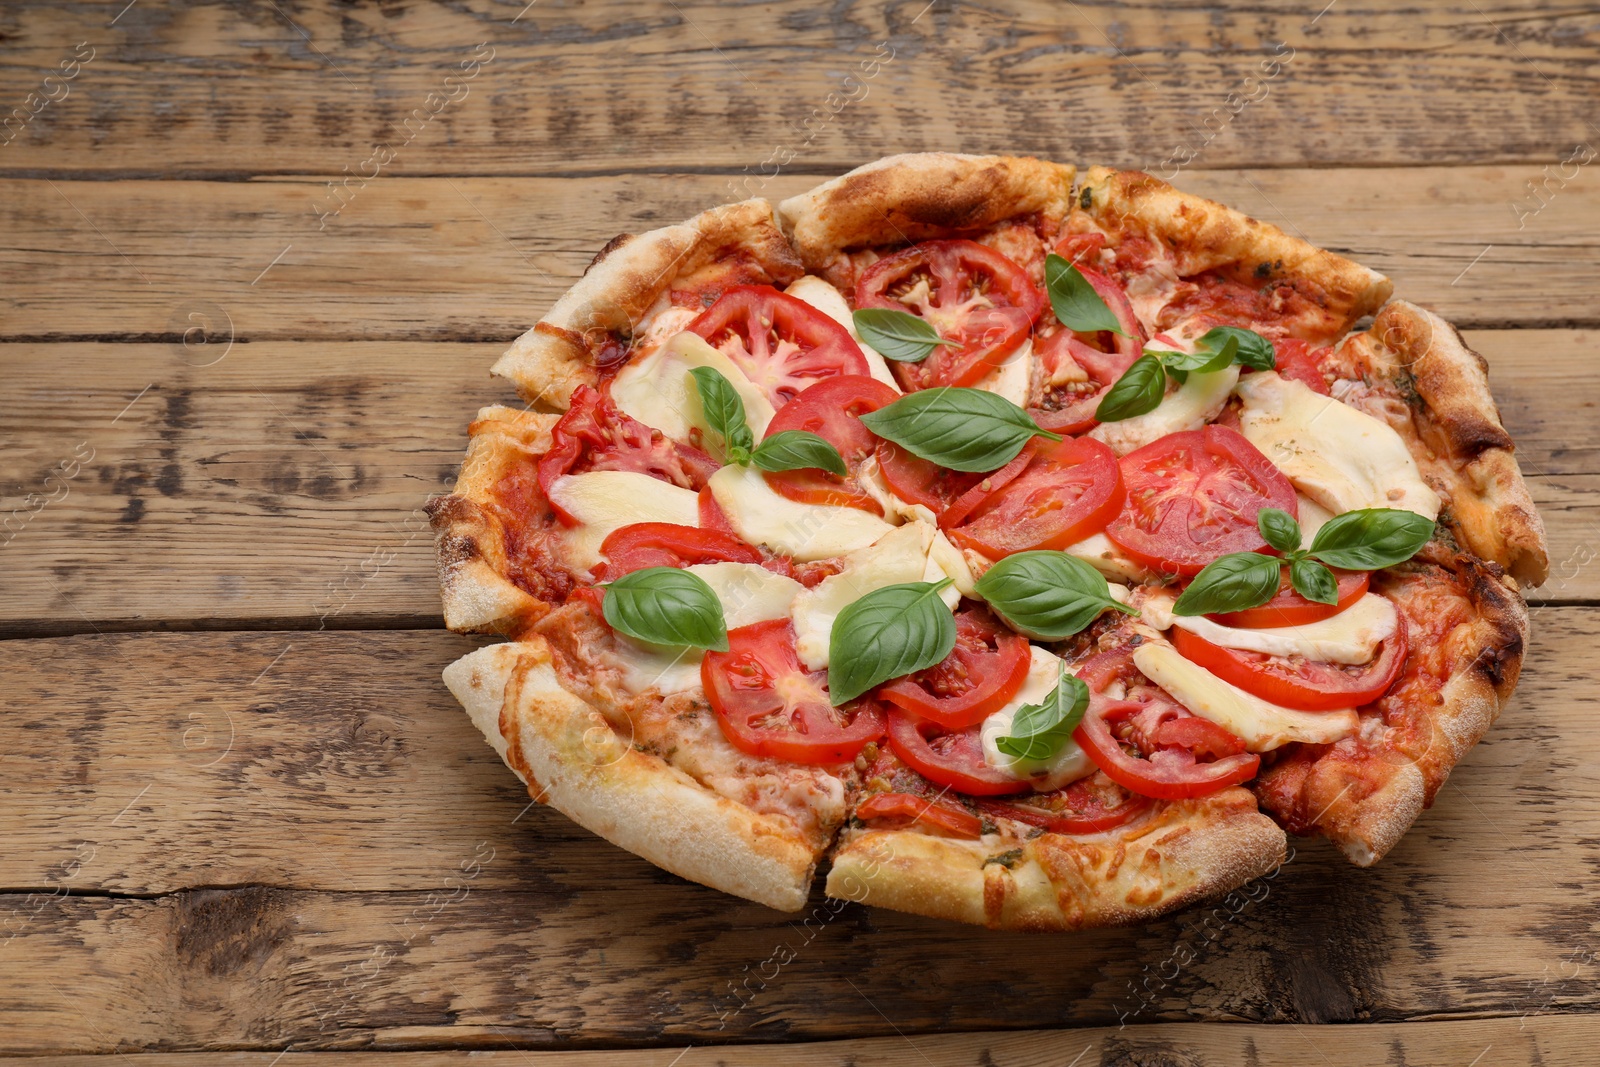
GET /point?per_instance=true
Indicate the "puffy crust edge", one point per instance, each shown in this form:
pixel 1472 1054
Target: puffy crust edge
pixel 571 758
pixel 1205 235
pixel 917 196
pixel 1189 851
pixel 621 284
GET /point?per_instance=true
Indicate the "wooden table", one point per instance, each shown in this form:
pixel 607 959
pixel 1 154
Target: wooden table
pixel 238 810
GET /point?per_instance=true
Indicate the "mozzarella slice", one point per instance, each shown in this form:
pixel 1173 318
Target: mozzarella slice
pixel 947 560
pixel 1341 458
pixel 1066 766
pixel 1313 517
pixel 1352 636
pixel 1263 726
pixel 662 322
pixel 646 666
pixel 1195 403
pixel 602 501
pixel 658 391
pixel 900 556
pixel 870 477
pixel 1011 378
pixel 828 300
pixel 804 531
pixel 1098 552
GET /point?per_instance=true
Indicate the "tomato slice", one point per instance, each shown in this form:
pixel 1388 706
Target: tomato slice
pixel 1294 682
pixel 782 343
pixel 905 811
pixel 1069 490
pixel 984 671
pixel 1090 805
pixel 769 705
pixel 1133 739
pixel 1289 608
pixel 919 481
pixel 595 435
pixel 832 410
pixel 1079 368
pixel 712 517
pixel 664 544
pixel 972 295
pixel 1297 361
pixel 986 486
pixel 1194 496
pixel 951 759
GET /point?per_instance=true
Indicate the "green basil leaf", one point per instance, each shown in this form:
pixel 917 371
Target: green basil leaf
pixel 964 429
pixel 666 606
pixel 1047 595
pixel 724 413
pixel 1279 529
pixel 1076 304
pixel 1371 539
pixel 1232 583
pixel 1314 581
pixel 897 335
pixel 1039 730
pixel 1245 347
pixel 1203 358
pixel 1137 392
pixel 888 633
pixel 790 450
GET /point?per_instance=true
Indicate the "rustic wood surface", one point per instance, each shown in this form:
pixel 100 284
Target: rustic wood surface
pixel 228 400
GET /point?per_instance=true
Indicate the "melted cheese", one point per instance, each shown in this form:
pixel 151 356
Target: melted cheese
pixel 1352 636
pixel 1099 552
pixel 946 561
pixel 1194 403
pixel 1067 765
pixel 605 500
pixel 828 300
pixel 658 391
pixel 1341 458
pixel 900 556
pixel 1313 517
pixel 1263 726
pixel 1011 378
pixel 805 531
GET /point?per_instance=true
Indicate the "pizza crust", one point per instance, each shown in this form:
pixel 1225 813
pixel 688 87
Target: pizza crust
pixel 623 283
pixel 1187 851
pixel 571 758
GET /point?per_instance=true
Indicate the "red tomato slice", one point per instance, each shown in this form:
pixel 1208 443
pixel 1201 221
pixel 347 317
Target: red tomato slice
pixel 1289 608
pixel 1090 805
pixel 984 671
pixel 1297 361
pixel 920 481
pixel 986 486
pixel 1194 496
pixel 832 410
pixel 664 544
pixel 972 295
pixel 712 517
pixel 769 705
pixel 1308 685
pixel 1134 742
pixel 1101 357
pixel 594 435
pixel 904 811
pixel 782 344
pixel 954 760
pixel 1069 490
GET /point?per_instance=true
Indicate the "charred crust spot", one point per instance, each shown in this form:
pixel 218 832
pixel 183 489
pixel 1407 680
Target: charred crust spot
pixel 1500 660
pixel 1471 437
pixel 611 246
pixel 456 549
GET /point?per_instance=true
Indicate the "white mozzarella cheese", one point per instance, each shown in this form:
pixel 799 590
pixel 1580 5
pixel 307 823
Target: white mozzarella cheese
pixel 899 556
pixel 805 531
pixel 1262 726
pixel 658 390
pixel 1351 636
pixel 870 477
pixel 1313 517
pixel 661 323
pixel 1011 378
pixel 646 666
pixel 1066 766
pixel 1194 403
pixel 1341 458
pixel 828 300
pixel 1098 551
pixel 946 559
pixel 605 500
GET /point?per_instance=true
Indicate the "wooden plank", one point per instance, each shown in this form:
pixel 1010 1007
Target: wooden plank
pixel 1537 1041
pixel 328 856
pixel 281 484
pixel 448 258
pixel 609 85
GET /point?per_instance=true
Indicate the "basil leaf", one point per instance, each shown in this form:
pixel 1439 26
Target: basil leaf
pixel 888 633
pixel 1076 304
pixel 1047 595
pixel 1039 730
pixel 1371 539
pixel 1137 392
pixel 964 429
pixel 1232 583
pixel 1314 581
pixel 789 450
pixel 897 335
pixel 1279 529
pixel 1245 347
pixel 666 606
pixel 724 412
pixel 1203 358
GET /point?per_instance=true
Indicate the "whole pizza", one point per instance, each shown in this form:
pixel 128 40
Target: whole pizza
pixel 1030 550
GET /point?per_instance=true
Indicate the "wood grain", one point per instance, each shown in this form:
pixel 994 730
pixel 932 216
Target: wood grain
pixel 249 89
pixel 326 854
pixel 474 258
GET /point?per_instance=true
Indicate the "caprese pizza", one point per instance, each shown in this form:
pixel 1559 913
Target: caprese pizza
pixel 1035 551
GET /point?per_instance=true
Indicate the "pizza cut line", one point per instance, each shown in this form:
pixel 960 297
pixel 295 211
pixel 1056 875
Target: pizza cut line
pixel 1033 549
